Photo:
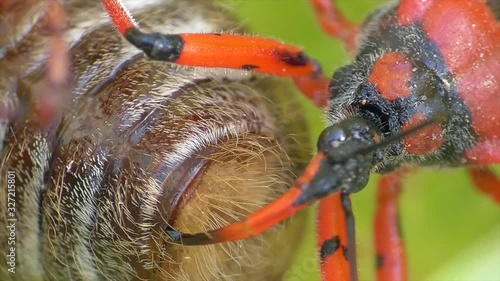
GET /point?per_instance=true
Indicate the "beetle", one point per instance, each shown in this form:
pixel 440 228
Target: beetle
pixel 406 99
pixel 100 146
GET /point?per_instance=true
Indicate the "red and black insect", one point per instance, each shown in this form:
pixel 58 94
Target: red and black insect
pixel 423 90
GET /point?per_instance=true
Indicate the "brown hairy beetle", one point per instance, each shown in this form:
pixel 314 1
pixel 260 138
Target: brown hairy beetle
pixel 99 146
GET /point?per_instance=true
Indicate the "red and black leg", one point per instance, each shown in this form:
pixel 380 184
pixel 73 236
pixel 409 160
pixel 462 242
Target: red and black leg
pixel 483 154
pixel 486 181
pixel 335 24
pixel 336 238
pixel 226 51
pixel 257 223
pixel 389 246
pixel 336 235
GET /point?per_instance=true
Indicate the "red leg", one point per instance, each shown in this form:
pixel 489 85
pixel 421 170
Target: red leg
pixel 52 93
pixel 335 24
pixel 485 153
pixel 260 221
pixel 336 239
pixel 391 254
pixel 486 181
pixel 226 51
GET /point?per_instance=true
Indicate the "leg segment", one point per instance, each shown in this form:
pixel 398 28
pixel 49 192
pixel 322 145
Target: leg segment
pixel 335 24
pixel 485 153
pixel 226 51
pixel 486 181
pixel 260 221
pixel 336 238
pixel 389 247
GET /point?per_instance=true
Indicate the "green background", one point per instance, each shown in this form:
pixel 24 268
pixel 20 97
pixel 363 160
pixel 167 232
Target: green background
pixel 452 232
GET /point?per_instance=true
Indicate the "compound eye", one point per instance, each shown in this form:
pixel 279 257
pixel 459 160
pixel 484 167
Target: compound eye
pixel 331 137
pixel 336 138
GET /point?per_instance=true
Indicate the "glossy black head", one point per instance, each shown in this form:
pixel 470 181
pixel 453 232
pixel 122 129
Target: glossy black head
pixel 347 159
pixel 343 140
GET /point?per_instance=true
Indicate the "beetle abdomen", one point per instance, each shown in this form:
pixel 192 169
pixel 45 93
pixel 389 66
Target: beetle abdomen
pixel 142 145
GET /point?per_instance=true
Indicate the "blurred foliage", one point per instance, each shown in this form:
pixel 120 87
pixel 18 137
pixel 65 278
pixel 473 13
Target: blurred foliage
pixel 452 232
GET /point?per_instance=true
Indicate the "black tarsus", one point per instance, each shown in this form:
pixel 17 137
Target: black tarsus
pixel 162 47
pixel 178 237
pixel 351 235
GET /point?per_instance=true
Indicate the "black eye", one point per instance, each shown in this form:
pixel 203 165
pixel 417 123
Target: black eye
pixel 336 138
pixel 331 137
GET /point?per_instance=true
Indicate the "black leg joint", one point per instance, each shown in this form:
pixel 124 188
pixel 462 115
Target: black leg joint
pixel 156 45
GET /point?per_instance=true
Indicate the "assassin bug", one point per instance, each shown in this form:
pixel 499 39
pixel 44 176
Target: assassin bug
pixel 407 98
